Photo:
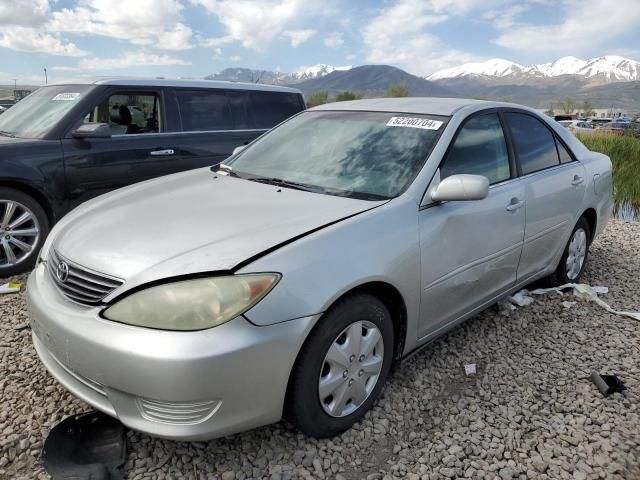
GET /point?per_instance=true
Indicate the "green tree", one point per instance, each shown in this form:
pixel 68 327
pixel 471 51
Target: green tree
pixel 550 112
pixel 318 98
pixel 397 90
pixel 347 95
pixel 567 106
pixel 587 109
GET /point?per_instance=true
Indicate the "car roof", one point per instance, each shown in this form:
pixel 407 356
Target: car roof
pixel 178 83
pixel 418 105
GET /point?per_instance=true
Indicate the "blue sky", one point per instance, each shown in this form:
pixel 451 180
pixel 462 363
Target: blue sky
pixel 193 38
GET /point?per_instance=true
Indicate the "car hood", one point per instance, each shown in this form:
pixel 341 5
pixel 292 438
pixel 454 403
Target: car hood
pixel 196 221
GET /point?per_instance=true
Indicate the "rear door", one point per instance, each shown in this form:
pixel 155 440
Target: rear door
pixel 138 149
pixel 554 184
pixel 215 121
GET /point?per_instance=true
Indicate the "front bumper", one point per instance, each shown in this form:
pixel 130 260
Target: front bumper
pixel 177 385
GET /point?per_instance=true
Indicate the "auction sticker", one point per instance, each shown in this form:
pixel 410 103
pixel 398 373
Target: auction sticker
pixel 414 122
pixel 69 96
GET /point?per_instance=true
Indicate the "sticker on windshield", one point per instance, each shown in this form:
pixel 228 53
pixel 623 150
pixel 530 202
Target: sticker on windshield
pixel 69 96
pixel 414 122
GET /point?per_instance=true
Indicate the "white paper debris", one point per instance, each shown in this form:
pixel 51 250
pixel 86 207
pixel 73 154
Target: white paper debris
pixel 580 290
pixel 470 369
pixel 568 304
pixel 11 287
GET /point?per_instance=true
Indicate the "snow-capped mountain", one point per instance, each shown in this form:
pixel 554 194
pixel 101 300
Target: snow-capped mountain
pixel 609 68
pixel 496 67
pixel 315 71
pixel 562 66
pixel 240 74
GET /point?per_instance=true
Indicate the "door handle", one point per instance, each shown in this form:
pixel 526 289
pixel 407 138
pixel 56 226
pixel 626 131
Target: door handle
pixel 165 152
pixel 515 205
pixel 577 180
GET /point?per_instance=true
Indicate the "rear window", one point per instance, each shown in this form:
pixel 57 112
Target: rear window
pixel 267 109
pixel 204 110
pixel 533 142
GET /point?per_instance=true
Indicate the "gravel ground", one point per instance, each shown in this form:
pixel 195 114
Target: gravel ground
pixel 529 412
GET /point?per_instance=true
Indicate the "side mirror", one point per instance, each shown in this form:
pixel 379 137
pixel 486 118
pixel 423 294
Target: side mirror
pixel 238 149
pixel 92 130
pixel 460 188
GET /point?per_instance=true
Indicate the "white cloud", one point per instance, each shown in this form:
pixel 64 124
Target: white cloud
pixel 298 37
pixel 585 25
pixel 141 22
pixel 398 36
pixel 255 23
pixel 334 40
pixel 23 12
pixel 27 39
pixel 137 58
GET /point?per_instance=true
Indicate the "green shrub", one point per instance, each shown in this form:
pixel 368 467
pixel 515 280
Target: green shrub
pixel 397 90
pixel 318 98
pixel 347 95
pixel 624 152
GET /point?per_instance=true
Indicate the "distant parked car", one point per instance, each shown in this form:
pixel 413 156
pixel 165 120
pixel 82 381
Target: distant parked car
pixel 3 109
pixel 577 126
pixel 290 278
pixel 615 128
pixel 633 130
pixel 67 143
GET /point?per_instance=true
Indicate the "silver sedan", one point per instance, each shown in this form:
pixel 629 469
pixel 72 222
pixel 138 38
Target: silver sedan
pixel 285 282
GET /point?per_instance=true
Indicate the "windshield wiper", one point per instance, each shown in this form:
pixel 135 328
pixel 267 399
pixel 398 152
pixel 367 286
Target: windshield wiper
pixel 225 170
pixel 286 183
pixel 7 134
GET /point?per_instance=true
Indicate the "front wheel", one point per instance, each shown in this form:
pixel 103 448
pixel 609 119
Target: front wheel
pixel 23 228
pixel 574 257
pixel 342 367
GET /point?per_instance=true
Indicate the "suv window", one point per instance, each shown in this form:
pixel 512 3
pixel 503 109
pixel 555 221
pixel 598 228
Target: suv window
pixel 268 109
pixel 479 149
pixel 533 142
pixel 128 113
pixel 204 110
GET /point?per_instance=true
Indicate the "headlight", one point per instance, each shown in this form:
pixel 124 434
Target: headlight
pixel 193 304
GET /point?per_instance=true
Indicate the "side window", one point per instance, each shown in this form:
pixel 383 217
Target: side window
pixel 268 109
pixel 479 149
pixel 565 156
pixel 128 113
pixel 533 142
pixel 204 110
pixel 239 101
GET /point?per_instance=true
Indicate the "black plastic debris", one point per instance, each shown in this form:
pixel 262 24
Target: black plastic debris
pixel 89 446
pixel 607 384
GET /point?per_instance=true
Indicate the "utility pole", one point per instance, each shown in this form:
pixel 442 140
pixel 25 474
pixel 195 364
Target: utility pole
pixel 45 75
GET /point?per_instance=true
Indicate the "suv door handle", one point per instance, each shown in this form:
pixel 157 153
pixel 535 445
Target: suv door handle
pixel 515 205
pixel 577 180
pixel 165 152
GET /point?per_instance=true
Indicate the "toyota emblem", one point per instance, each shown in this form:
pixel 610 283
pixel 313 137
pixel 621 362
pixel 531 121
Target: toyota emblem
pixel 62 272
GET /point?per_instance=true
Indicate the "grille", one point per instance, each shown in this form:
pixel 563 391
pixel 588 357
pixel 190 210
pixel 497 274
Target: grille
pixel 178 413
pixel 81 284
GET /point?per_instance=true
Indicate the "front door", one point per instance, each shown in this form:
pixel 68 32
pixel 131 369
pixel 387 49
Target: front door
pixel 470 250
pixel 138 149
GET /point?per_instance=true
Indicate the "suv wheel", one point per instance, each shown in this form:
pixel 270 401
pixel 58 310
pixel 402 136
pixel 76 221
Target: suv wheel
pixel 23 228
pixel 342 367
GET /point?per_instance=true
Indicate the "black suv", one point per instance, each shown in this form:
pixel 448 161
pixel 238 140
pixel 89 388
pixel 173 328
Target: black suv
pixel 67 143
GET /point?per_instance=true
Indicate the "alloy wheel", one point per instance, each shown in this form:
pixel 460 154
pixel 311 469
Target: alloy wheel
pixel 577 253
pixel 351 368
pixel 19 232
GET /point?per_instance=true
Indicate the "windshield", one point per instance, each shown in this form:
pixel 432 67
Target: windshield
pixel 371 155
pixel 37 113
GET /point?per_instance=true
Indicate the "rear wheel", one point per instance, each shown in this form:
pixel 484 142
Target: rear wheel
pixel 574 257
pixel 342 367
pixel 23 228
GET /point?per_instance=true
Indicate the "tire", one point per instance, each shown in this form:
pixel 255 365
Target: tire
pixel 563 273
pixel 304 407
pixel 14 257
